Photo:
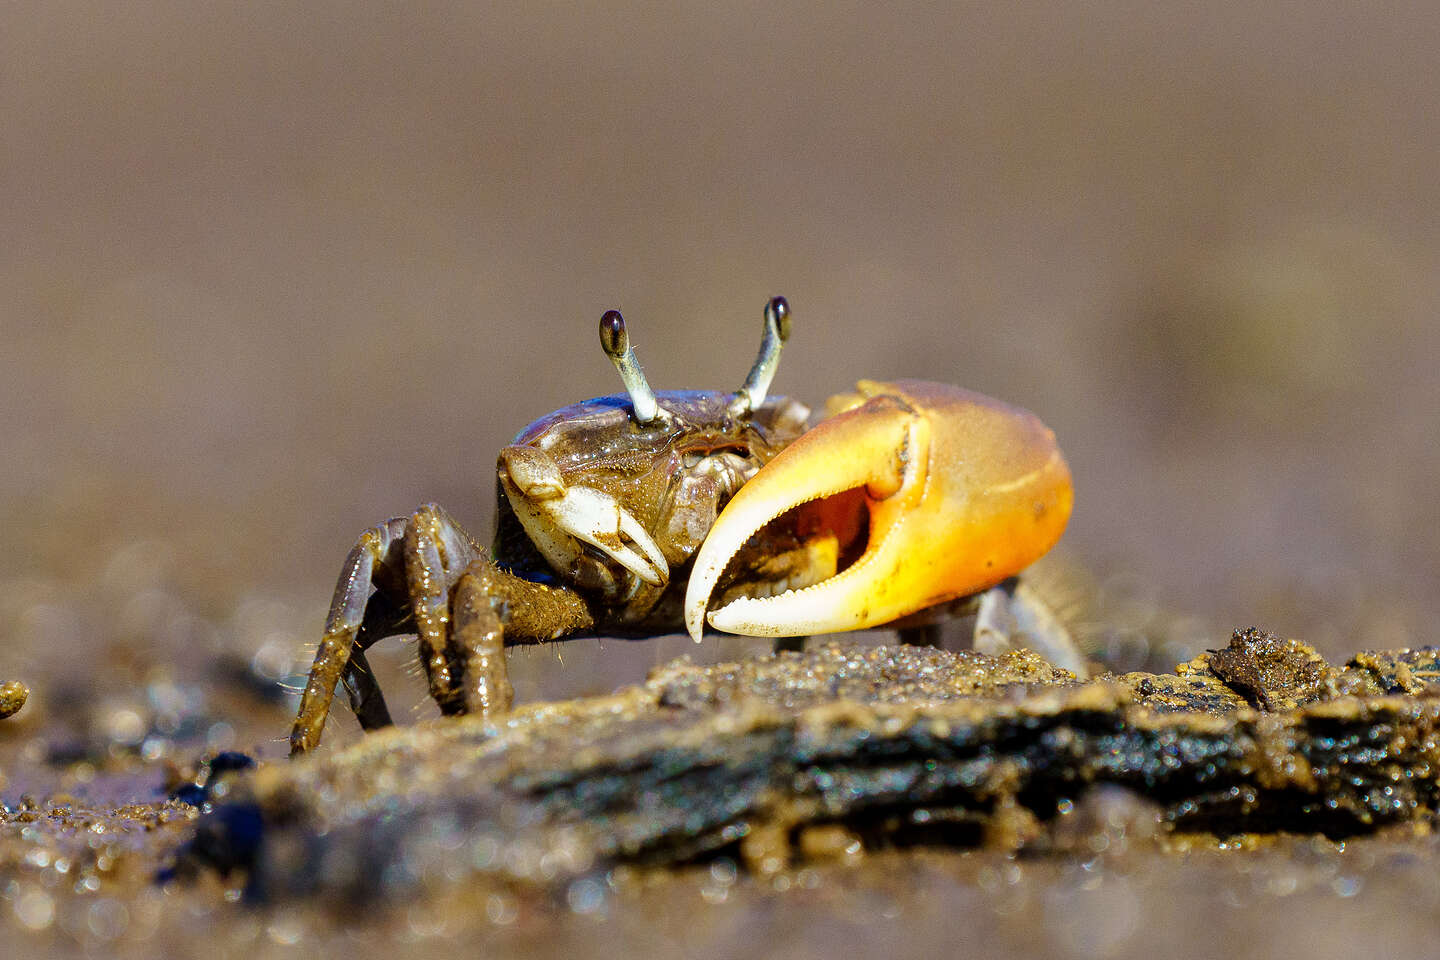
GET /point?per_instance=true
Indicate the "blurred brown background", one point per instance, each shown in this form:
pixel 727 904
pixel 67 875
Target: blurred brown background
pixel 273 273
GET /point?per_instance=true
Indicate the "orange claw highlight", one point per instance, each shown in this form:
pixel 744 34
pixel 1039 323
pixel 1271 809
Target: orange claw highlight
pixel 962 492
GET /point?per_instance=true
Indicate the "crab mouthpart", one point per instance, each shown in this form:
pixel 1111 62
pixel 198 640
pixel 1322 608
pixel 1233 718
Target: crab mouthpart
pixel 961 492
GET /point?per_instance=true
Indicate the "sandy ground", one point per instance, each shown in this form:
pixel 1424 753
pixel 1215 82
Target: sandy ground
pixel 272 272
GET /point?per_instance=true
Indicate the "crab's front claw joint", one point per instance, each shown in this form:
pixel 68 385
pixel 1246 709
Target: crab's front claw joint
pixel 961 492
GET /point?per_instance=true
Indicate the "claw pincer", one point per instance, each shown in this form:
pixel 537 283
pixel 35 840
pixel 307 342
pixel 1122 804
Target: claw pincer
pixel 956 492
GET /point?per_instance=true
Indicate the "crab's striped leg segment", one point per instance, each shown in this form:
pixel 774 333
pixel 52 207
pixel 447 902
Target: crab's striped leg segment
pixel 961 492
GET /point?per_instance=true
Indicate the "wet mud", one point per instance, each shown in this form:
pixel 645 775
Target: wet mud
pixel 856 788
pixel 770 760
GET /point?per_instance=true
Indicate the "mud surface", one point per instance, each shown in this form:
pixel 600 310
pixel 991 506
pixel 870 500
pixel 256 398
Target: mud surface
pixel 883 746
pixel 857 790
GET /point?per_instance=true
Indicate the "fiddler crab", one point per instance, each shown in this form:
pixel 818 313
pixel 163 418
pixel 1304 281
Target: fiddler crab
pixel 634 514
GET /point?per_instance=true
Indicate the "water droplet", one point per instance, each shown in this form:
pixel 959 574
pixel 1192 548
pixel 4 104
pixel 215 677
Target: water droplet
pixel 1346 886
pixel 125 726
pixel 107 919
pixel 35 909
pixel 585 895
pixel 723 871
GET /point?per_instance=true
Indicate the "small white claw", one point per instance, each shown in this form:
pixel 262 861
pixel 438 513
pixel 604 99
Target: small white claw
pixel 631 528
pixel 598 519
pixel 555 516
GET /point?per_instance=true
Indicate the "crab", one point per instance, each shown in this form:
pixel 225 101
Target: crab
pixel 640 513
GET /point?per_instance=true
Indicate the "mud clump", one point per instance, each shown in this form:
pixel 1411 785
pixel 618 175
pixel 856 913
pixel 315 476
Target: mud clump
pixel 888 746
pixel 1271 673
pixel 13 695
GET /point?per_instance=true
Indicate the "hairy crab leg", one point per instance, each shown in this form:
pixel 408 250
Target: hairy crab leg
pixel 492 607
pixel 430 576
pixel 466 609
pixel 437 552
pixel 377 547
pixel 1013 614
pixel 367 701
pixel 479 636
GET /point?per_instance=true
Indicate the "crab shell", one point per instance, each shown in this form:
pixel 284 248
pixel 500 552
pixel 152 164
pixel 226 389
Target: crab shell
pixel 960 492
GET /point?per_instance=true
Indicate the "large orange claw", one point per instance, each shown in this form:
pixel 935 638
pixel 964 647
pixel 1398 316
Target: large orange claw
pixel 962 492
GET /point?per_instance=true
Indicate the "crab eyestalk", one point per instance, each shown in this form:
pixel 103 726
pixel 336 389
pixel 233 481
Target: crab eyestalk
pixel 757 383
pixel 617 346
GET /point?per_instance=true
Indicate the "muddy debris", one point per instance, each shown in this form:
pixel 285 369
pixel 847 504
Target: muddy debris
pixel 1270 673
pixel 777 759
pixel 13 695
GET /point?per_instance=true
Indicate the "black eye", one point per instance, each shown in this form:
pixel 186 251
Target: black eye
pixel 778 311
pixel 612 334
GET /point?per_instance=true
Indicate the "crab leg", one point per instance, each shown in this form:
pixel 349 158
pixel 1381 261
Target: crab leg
pixel 437 553
pixel 384 617
pixel 961 492
pixel 493 608
pixel 1015 611
pixel 376 549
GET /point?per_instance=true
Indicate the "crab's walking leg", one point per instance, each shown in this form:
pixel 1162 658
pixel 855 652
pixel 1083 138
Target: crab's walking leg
pixel 450 576
pixel 366 700
pixel 437 552
pixel 492 608
pixel 375 549
pixel 1013 615
pixel 479 637
pixel 425 572
pixel 384 617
